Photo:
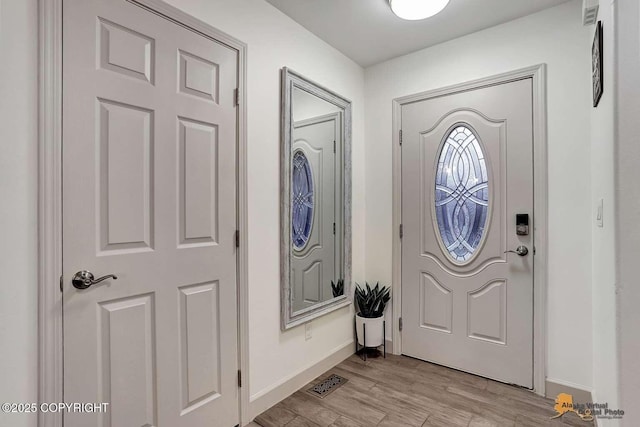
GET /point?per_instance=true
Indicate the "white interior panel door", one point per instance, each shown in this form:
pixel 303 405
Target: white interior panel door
pixel 149 177
pixel 467 171
pixel 315 252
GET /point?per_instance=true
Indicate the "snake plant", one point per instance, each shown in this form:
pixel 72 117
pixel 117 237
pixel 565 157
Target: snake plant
pixel 370 302
pixel 337 288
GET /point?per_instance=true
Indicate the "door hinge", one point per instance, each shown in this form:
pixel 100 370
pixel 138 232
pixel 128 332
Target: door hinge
pixel 236 96
pixel 400 324
pixel 239 378
pixel 401 231
pixel 334 147
pixel 400 136
pixel 61 282
pixel 237 238
pixel 334 228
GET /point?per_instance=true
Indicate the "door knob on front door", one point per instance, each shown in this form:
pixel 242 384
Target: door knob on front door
pixel 85 279
pixel 520 250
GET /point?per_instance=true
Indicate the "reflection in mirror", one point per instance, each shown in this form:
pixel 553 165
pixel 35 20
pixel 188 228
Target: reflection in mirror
pixel 316 204
pixel 316 262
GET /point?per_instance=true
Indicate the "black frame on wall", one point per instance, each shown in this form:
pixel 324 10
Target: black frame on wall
pixel 597 67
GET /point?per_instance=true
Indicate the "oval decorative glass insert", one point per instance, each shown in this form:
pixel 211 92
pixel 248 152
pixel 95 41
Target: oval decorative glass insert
pixel 462 194
pixel 301 200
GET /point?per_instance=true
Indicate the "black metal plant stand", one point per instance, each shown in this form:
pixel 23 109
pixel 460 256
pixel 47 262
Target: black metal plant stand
pixel 363 349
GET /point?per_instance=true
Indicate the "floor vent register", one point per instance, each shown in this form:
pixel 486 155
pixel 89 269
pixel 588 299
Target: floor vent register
pixel 327 386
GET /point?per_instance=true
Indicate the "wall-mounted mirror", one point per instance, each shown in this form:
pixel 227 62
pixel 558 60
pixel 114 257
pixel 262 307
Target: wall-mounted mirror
pixel 316 200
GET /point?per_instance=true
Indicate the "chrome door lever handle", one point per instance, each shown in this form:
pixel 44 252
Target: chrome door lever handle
pixel 520 250
pixel 85 279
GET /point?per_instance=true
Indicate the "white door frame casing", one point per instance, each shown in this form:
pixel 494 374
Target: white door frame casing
pixel 50 339
pixel 537 74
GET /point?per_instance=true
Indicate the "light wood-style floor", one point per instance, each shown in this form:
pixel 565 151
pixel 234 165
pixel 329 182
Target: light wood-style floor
pixel 404 392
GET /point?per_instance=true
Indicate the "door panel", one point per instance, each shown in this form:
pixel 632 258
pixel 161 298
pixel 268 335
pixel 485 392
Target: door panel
pixel 487 312
pixel 199 344
pixel 198 77
pixel 127 350
pixel 149 184
pixel 436 305
pixel 123 50
pixel 125 175
pixel 197 182
pixel 467 170
pixel 312 283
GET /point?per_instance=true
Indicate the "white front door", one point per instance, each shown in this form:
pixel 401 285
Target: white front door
pixel 467 180
pixel 149 181
pixel 316 256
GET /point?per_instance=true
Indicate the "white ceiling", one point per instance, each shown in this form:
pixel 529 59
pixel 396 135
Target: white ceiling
pixel 368 32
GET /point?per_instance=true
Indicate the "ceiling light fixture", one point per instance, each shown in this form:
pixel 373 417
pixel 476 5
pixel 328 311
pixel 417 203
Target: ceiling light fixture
pixel 414 10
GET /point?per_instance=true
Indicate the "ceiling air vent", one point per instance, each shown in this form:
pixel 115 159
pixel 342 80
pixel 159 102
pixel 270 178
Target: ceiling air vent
pixel 590 11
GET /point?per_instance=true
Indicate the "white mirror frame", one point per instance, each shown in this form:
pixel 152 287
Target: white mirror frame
pixel 291 80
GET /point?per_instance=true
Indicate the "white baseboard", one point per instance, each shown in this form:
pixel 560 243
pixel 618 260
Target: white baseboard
pixel 266 398
pixel 580 393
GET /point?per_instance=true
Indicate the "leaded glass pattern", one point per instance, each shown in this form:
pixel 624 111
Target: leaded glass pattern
pixel 461 194
pixel 301 200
